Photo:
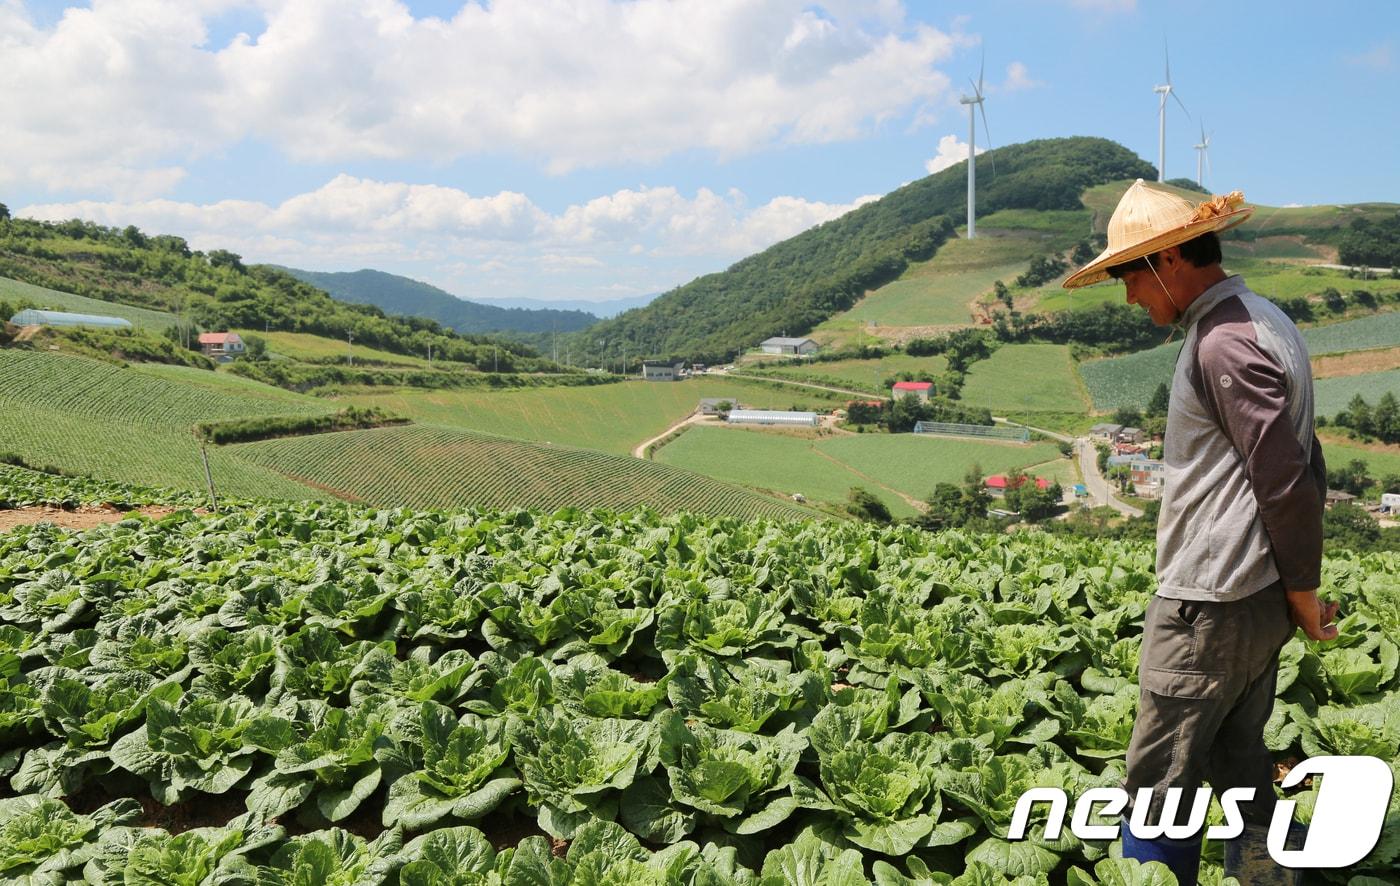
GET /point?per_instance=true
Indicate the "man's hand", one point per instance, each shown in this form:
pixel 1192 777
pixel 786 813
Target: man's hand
pixel 1312 615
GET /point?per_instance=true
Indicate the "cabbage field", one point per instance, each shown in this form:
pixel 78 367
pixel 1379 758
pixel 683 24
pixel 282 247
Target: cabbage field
pixel 312 693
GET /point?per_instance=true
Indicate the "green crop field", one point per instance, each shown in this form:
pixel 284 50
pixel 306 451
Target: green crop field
pixel 826 468
pixel 1363 333
pixel 779 463
pixel 134 424
pixel 136 395
pixel 331 694
pixel 1025 378
pixel 611 418
pixel 129 452
pixel 1129 380
pixel 915 463
pixel 436 467
pixel 1333 394
pixel 859 375
pixel 52 299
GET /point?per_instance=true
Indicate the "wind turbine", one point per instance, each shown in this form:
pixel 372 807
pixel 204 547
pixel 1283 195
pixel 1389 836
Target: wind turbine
pixel 1165 90
pixel 1202 152
pixel 974 103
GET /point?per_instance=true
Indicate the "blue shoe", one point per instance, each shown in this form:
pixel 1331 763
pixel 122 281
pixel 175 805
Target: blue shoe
pixel 1182 856
pixel 1247 857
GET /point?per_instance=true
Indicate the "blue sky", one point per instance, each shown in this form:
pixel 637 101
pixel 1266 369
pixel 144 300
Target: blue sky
pixel 590 149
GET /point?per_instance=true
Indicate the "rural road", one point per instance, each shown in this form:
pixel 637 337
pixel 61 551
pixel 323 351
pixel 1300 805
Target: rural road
pixel 693 418
pixel 1097 486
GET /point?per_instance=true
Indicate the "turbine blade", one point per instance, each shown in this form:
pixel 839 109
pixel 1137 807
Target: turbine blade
pixel 987 130
pixel 1207 153
pixel 1168 57
pixel 982 70
pixel 1178 101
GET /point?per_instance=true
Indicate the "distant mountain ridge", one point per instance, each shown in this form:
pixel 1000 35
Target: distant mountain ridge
pixel 599 308
pixel 404 295
pixel 798 283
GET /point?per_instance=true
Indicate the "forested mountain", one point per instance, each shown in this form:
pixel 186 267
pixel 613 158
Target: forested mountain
pixel 796 284
pixel 215 290
pixel 403 295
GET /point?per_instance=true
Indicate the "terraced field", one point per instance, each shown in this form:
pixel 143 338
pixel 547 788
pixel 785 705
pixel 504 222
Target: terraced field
pixel 134 424
pixel 825 469
pixel 610 418
pixel 138 395
pixel 1130 380
pixel 52 299
pixel 1025 378
pixel 436 467
pixel 128 452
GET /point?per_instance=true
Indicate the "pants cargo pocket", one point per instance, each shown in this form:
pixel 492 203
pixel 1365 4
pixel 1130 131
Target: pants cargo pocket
pixel 1183 684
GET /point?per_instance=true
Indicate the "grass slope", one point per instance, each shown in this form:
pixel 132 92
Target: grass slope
pixel 858 375
pixel 434 467
pixel 51 299
pixel 611 418
pixel 1025 378
pixel 319 349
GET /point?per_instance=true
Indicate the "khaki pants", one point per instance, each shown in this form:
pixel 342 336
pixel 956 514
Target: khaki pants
pixel 1207 674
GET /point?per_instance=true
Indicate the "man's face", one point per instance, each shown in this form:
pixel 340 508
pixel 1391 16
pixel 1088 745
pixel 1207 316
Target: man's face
pixel 1145 289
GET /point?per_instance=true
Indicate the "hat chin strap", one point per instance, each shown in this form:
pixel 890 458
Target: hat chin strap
pixel 1179 312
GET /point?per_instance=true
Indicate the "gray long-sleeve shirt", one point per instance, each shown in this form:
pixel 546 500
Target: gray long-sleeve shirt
pixel 1245 478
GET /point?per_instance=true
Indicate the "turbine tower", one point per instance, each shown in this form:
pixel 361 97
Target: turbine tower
pixel 1202 152
pixel 1165 90
pixel 974 103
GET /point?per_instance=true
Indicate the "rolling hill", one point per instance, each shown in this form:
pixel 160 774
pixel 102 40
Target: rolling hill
pixel 800 282
pixel 402 295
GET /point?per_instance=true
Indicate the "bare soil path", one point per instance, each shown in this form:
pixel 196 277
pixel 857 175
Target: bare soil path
pixel 83 518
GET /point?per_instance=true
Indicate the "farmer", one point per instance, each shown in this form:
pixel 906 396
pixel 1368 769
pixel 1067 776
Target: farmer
pixel 1239 537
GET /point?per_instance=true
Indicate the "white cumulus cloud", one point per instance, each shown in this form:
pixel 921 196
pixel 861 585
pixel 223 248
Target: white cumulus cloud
pixel 446 234
pixel 951 152
pixel 121 97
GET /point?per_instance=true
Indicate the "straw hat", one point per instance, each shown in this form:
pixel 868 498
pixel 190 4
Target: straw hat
pixel 1149 220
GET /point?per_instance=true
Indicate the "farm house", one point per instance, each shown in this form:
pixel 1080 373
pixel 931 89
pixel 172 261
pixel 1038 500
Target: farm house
pixel 1149 476
pixel 793 347
pixel 921 389
pixel 772 417
pixel 661 371
pixel 32 317
pixel 997 484
pixel 221 346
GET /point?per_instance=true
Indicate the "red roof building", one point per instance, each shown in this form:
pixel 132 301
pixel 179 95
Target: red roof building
pixel 921 389
pixel 997 484
pixel 221 346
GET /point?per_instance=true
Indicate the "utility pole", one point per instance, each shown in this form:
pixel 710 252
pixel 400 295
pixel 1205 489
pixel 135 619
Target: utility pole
pixel 430 353
pixel 350 342
pixel 495 358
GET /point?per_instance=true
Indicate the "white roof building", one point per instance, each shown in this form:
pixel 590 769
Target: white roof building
pixel 772 417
